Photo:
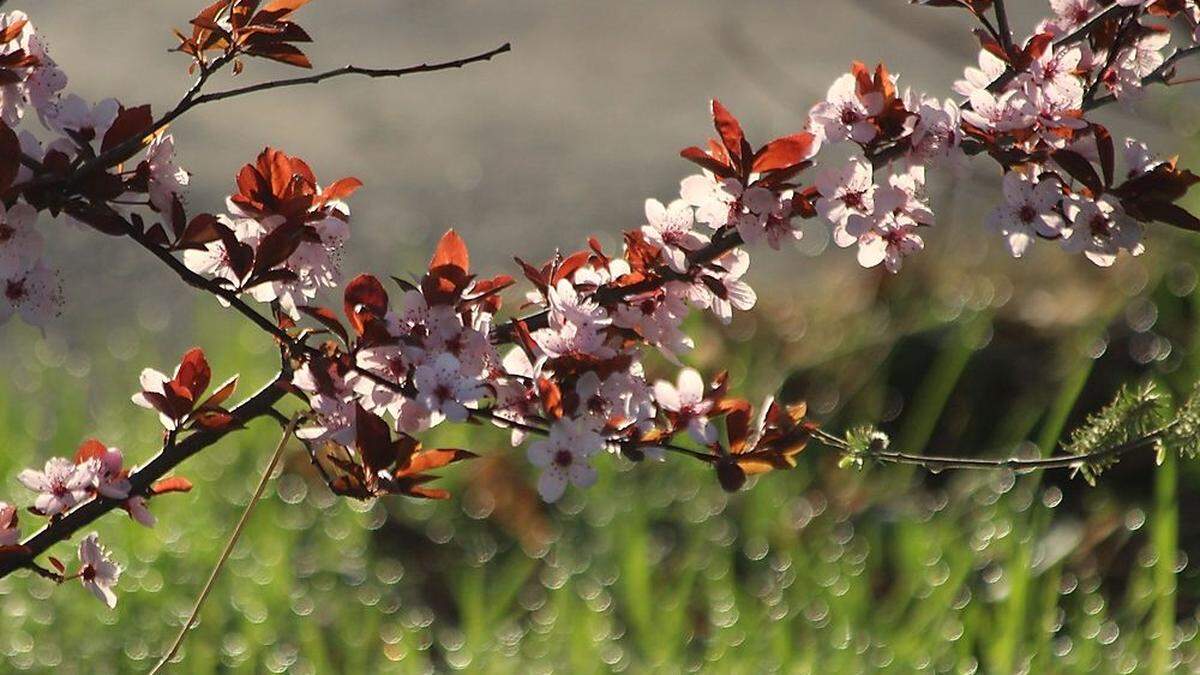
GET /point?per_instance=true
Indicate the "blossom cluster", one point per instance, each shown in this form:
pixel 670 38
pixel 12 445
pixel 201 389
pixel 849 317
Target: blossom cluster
pixel 566 373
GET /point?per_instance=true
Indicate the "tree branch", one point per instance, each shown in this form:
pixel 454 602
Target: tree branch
pixel 140 480
pixel 192 98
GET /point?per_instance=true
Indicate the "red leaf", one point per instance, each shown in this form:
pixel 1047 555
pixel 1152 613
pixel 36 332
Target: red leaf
pixel 694 154
pixel 364 299
pixel 728 129
pixel 89 449
pixel 222 393
pixel 1171 214
pixel 130 123
pixel 451 251
pixel 340 190
pixel 1104 144
pixel 214 419
pixel 172 484
pixel 428 460
pixel 551 397
pixel 784 153
pixel 328 319
pixel 194 373
pixel 58 564
pixel 200 230
pixel 13 31
pixel 1079 168
pixel 283 53
pixel 373 439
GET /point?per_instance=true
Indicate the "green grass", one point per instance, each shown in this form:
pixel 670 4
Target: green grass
pixel 655 569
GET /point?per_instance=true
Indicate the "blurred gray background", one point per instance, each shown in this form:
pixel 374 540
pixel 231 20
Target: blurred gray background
pixel 563 137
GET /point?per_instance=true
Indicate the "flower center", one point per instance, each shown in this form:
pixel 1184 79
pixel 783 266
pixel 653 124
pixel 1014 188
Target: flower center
pixel 853 199
pixel 14 290
pixel 1027 214
pixel 564 458
pixel 6 232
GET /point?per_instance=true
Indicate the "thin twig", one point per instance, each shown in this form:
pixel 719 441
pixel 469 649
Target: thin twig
pixel 233 540
pixel 938 463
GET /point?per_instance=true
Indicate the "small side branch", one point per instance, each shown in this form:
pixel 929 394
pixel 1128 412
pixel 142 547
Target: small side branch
pixel 140 481
pixel 352 70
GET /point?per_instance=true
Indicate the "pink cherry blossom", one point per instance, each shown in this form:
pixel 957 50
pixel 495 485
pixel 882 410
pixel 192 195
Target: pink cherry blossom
pixel 686 400
pixel 714 198
pixel 84 123
pixel 20 242
pixel 98 573
pixel 844 115
pixel 10 532
pixel 991 67
pixel 1007 112
pixel 1100 230
pixel 564 456
pixel 670 228
pixel 442 388
pixel 35 295
pixel 167 179
pixel 845 192
pixel 61 484
pixel 1028 210
pixel 1073 13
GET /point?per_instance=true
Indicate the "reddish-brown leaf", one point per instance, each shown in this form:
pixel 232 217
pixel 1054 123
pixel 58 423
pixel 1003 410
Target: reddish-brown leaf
pixel 328 319
pixel 172 484
pixel 130 123
pixel 194 373
pixel 90 449
pixel 728 129
pixel 373 439
pixel 364 299
pixel 784 153
pixel 340 190
pixel 451 251
pixel 12 31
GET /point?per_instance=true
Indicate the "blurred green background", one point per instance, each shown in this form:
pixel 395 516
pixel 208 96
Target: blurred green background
pixel 655 569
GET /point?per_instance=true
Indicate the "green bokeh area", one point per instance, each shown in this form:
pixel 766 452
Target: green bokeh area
pixel 655 568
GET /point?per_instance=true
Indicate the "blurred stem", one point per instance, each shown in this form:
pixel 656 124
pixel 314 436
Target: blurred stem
pixel 1164 532
pixel 233 540
pixel 937 386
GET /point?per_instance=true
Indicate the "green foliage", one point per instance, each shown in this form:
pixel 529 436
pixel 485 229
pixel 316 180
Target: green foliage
pixel 1184 434
pixel 1136 412
pixel 861 442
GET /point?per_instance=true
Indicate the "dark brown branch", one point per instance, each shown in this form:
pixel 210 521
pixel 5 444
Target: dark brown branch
pixel 1002 27
pixel 140 481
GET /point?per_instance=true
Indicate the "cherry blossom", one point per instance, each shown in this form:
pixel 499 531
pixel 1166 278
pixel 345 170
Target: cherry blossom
pixel 84 123
pixel 714 198
pixel 10 531
pixel 670 227
pixel 1100 230
pixel 991 67
pixel 1028 210
pixel 1072 13
pixel 563 456
pixel 61 484
pixel 685 402
pixel 845 192
pixel 98 573
pixel 20 242
pixel 844 115
pixel 443 388
pixel 167 179
pixel 34 294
